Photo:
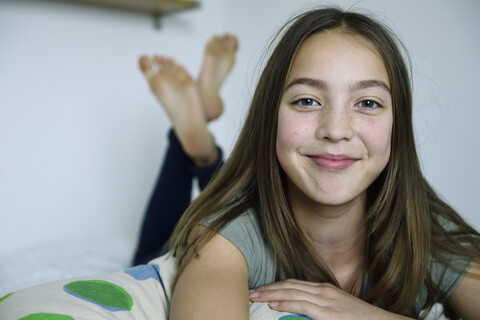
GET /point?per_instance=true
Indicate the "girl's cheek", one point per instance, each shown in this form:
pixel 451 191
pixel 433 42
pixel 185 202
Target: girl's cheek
pixel 291 130
pixel 378 134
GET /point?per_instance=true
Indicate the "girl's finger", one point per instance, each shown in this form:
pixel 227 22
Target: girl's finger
pixel 304 308
pixel 282 295
pixel 311 287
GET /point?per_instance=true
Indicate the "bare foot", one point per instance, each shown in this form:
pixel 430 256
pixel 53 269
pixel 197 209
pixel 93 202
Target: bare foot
pixel 178 93
pixel 217 63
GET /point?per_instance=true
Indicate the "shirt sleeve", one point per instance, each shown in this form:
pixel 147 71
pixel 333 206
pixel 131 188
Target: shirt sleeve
pixel 246 234
pixel 447 276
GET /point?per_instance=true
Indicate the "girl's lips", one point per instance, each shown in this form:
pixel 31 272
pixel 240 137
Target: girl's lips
pixel 333 162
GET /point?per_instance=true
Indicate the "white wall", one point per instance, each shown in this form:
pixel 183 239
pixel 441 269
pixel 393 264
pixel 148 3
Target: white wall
pixel 81 138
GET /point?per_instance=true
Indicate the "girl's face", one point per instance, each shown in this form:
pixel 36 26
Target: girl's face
pixel 335 119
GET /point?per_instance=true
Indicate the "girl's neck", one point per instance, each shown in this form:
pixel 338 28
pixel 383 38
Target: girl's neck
pixel 337 233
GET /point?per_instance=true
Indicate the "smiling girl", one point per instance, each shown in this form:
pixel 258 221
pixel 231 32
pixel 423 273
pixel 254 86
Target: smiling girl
pixel 324 186
pixel 320 211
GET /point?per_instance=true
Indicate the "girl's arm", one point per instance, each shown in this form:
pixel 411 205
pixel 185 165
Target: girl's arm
pixel 465 299
pixel 214 285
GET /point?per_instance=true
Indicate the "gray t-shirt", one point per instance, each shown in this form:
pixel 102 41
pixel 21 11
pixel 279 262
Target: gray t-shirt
pixel 246 234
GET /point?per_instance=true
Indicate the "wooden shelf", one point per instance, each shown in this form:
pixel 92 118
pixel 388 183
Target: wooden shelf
pixel 155 7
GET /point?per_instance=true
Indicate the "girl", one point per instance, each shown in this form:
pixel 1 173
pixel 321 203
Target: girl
pixel 324 186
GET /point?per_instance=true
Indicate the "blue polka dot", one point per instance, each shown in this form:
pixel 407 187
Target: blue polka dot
pixel 144 272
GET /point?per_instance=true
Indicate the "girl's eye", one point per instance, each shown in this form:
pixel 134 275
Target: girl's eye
pixel 306 102
pixel 368 104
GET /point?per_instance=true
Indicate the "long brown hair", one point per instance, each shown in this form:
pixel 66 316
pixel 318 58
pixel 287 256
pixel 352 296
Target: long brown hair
pixel 402 208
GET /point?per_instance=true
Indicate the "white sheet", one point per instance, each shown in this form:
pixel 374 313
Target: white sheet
pixel 54 261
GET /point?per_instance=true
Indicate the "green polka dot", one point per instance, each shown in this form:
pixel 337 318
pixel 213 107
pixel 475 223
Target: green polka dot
pixel 6 297
pixel 106 294
pixel 46 316
pixel 293 317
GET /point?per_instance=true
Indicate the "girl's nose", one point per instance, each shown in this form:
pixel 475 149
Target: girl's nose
pixel 335 124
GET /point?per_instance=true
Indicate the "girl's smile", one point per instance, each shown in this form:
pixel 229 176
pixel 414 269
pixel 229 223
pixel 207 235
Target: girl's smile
pixel 333 162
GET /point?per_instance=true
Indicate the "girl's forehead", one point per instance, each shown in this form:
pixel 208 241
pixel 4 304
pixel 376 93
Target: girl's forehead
pixel 331 52
pixel 335 42
pixel 339 36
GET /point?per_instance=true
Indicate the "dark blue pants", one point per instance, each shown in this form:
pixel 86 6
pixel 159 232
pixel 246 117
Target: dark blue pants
pixel 170 198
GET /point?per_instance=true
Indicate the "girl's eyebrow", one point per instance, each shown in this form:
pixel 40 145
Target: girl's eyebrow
pixel 322 85
pixel 364 84
pixel 317 84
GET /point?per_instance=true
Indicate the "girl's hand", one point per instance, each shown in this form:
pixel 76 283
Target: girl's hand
pixel 318 301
